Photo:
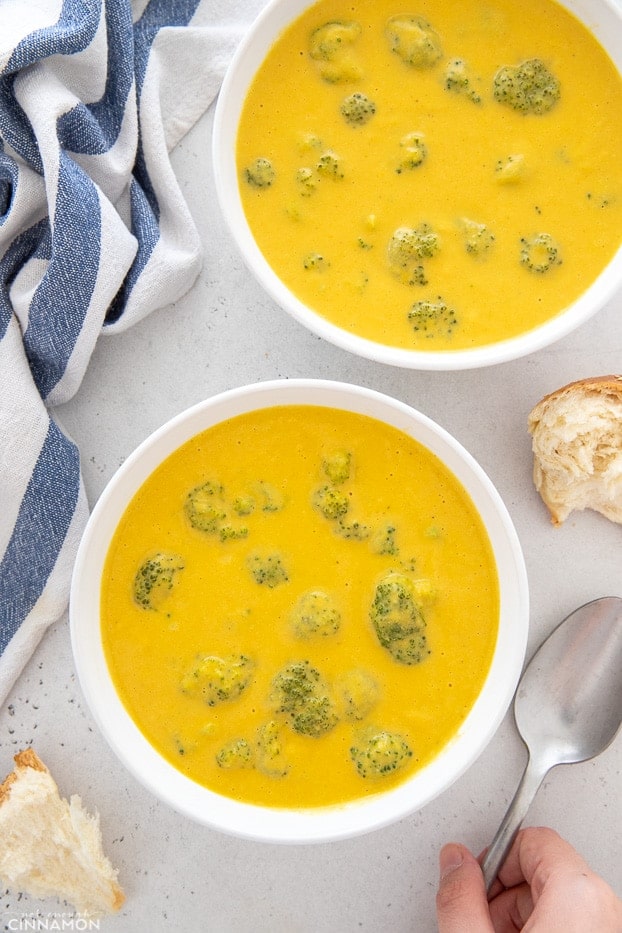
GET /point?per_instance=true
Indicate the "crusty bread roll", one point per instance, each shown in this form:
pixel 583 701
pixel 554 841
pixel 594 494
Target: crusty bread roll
pixel 52 847
pixel 577 447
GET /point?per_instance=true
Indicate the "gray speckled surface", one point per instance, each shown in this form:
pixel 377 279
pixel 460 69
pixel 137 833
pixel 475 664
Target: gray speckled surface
pixel 180 876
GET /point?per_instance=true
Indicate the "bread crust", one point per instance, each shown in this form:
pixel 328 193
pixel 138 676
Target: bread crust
pixel 603 385
pixel 27 758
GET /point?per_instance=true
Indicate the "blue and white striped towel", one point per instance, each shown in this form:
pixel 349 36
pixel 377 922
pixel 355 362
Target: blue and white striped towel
pixel 94 234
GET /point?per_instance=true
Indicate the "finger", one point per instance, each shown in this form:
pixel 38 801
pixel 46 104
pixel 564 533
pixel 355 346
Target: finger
pixel 461 902
pixel 537 852
pixel 510 910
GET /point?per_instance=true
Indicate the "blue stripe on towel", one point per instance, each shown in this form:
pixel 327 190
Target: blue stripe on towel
pixel 49 339
pixel 44 518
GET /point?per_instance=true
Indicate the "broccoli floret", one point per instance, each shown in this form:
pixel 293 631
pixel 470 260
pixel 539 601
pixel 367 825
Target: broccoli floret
pixel 330 165
pixel 260 173
pixel 529 87
pixel 337 466
pixel 205 507
pixel 267 569
pixel 155 579
pixel 458 80
pixel 414 40
pixel 357 109
pixel 244 505
pixel 478 238
pixel 408 244
pixel 331 502
pixel 383 540
pixel 331 47
pixel 433 318
pixel 397 619
pixel 414 152
pixel 358 692
pixel 539 253
pixel 234 755
pixel 510 170
pixel 353 531
pixel 378 752
pixel 299 692
pixel 232 532
pixel 315 615
pixel 330 39
pixel 306 181
pixel 214 679
pixel 270 757
pixel 315 261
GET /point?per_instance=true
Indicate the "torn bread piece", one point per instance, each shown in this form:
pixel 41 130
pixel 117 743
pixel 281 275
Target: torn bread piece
pixel 577 447
pixel 50 846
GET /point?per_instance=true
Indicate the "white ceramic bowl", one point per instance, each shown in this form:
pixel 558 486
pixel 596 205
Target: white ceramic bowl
pixel 602 17
pixel 311 825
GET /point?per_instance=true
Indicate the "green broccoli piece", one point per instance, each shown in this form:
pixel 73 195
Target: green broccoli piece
pixel 337 466
pixel 357 109
pixel 235 755
pixel 358 692
pixel 352 531
pixel 315 261
pixel 329 40
pixel 299 692
pixel 414 40
pixel 330 165
pixel 331 502
pixel 478 238
pixel 529 87
pixel 397 619
pixel 433 318
pixel 260 173
pixel 539 253
pixel 331 46
pixel 270 757
pixel 415 152
pixel 232 532
pixel 458 80
pixel 244 505
pixel 267 569
pixel 215 680
pixel 407 245
pixel 306 181
pixel 383 540
pixel 378 753
pixel 205 507
pixel 155 579
pixel 315 615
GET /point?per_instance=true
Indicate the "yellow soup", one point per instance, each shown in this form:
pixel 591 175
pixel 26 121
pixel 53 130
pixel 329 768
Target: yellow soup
pixel 440 178
pixel 300 607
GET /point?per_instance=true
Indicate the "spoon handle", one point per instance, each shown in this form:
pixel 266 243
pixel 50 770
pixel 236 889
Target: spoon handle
pixel 517 811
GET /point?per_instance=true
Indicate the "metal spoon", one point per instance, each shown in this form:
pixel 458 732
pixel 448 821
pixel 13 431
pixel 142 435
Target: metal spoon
pixel 568 707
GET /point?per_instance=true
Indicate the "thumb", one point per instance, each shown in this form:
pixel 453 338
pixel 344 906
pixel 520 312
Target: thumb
pixel 461 903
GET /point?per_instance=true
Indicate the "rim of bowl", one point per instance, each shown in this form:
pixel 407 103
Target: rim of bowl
pixel 603 18
pixel 309 825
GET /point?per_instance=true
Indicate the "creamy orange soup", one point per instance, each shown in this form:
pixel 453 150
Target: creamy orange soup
pixel 299 607
pixel 439 176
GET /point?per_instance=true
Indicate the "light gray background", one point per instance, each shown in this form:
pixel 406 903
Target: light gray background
pixel 180 876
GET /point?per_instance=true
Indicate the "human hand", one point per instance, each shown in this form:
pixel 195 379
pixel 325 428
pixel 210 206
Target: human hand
pixel 544 886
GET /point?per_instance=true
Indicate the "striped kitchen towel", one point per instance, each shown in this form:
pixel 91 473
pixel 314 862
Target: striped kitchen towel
pixel 94 234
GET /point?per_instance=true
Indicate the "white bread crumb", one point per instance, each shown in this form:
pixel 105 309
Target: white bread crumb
pixel 577 447
pixel 51 846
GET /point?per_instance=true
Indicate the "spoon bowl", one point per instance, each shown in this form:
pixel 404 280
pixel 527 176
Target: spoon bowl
pixel 568 706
